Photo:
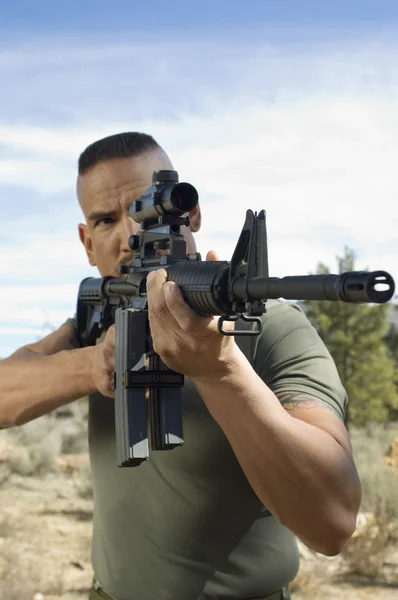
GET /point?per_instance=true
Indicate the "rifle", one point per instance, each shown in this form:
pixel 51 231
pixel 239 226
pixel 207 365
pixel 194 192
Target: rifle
pixel 234 290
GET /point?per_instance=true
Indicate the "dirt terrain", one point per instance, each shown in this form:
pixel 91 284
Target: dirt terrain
pixel 46 516
pixel 45 531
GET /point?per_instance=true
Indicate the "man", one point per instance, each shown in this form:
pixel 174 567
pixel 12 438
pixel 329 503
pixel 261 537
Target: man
pixel 266 454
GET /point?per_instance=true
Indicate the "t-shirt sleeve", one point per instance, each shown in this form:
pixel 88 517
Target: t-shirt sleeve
pixel 76 342
pixel 291 356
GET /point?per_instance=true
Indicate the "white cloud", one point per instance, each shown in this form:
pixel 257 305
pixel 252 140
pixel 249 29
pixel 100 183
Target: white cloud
pixel 315 146
pixel 48 258
pixel 25 331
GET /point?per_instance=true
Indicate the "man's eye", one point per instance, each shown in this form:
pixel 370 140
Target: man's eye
pixel 105 221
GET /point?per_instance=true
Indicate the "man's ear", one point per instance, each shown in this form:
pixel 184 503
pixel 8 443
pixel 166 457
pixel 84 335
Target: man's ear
pixel 85 239
pixel 195 219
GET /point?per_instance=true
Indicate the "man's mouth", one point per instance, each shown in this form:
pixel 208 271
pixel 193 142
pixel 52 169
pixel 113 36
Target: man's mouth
pixel 127 262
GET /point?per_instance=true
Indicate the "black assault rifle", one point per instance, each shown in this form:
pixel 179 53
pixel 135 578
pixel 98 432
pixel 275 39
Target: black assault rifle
pixel 234 290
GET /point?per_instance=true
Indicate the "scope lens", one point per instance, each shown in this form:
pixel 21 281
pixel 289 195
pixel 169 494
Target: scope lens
pixel 184 197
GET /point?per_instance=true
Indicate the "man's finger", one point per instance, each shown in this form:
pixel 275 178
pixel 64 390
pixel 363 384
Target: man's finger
pixel 182 313
pixel 212 255
pixel 154 285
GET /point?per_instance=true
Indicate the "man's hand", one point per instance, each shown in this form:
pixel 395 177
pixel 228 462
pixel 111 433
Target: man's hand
pixel 187 343
pixel 103 364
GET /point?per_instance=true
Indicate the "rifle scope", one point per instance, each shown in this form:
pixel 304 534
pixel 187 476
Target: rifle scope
pixel 165 196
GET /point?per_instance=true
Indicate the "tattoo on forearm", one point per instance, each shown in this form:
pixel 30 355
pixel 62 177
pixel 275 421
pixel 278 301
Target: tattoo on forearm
pixel 293 400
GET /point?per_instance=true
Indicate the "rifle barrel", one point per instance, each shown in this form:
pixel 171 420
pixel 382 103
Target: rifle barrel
pixel 355 286
pixel 204 286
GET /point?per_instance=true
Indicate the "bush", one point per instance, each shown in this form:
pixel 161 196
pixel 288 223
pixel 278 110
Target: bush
pixel 33 448
pixel 379 481
pixel 366 552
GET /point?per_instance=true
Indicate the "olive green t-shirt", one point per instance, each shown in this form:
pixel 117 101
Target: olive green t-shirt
pixel 186 524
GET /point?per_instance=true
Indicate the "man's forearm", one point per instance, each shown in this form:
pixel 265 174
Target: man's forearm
pixel 300 472
pixel 32 384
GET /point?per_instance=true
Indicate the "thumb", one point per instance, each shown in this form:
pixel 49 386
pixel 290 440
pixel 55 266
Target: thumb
pixel 211 255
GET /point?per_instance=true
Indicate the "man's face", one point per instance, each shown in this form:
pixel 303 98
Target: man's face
pixel 106 193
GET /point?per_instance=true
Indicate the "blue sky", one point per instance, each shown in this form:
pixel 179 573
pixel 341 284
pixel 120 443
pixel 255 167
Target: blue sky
pixel 287 106
pixel 208 15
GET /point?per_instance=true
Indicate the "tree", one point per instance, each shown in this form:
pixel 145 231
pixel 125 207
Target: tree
pixel 392 345
pixel 392 334
pixel 355 335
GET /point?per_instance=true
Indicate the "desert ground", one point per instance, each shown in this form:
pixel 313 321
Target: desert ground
pixel 46 517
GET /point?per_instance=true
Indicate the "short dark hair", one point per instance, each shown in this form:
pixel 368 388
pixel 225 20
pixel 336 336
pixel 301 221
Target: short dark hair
pixel 120 145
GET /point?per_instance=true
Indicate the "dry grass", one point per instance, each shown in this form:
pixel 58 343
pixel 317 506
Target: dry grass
pixel 308 580
pixel 20 574
pixel 22 578
pixel 84 483
pixel 366 554
pixel 379 481
pixel 32 449
pixel 31 453
pixel 6 527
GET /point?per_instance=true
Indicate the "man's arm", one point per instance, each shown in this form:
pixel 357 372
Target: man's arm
pixel 298 461
pixel 301 468
pixel 40 377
